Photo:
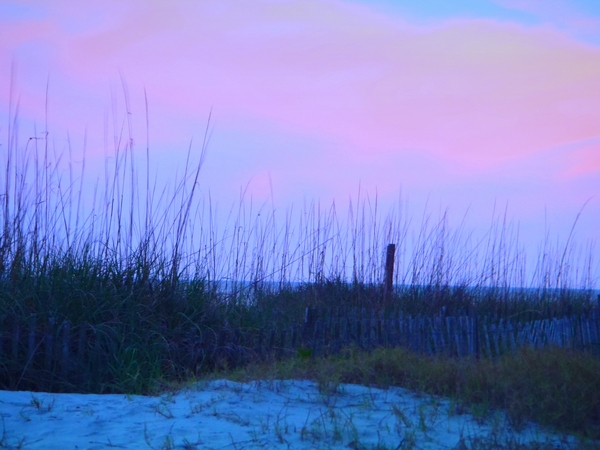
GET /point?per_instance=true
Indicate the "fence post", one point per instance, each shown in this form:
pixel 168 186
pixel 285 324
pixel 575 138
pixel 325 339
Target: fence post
pixel 271 341
pixel 31 340
pixel 389 273
pixel 259 345
pixel 81 344
pixel 66 343
pixel 475 328
pixel 294 337
pixel 15 342
pixel 317 336
pixel 49 342
pixel 281 351
pixel 310 319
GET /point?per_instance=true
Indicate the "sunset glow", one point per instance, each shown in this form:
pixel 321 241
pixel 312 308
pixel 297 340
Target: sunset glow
pixel 490 104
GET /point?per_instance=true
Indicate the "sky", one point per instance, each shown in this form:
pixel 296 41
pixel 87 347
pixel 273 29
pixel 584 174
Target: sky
pixel 474 106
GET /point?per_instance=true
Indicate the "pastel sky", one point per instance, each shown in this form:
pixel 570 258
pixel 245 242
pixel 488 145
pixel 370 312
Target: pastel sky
pixel 462 104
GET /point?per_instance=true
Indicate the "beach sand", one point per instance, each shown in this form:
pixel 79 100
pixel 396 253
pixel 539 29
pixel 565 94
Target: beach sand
pixel 294 414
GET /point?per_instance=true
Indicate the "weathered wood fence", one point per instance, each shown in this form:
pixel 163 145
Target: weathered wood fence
pixel 76 352
pixel 460 335
pixel 83 350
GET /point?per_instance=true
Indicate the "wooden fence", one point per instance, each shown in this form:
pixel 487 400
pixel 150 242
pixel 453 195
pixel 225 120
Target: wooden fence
pixel 461 335
pixel 85 353
pixel 76 352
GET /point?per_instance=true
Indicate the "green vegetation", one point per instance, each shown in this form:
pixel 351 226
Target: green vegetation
pixel 134 274
pixel 554 387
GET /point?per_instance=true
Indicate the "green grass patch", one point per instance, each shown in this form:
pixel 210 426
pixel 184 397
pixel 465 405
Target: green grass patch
pixel 553 387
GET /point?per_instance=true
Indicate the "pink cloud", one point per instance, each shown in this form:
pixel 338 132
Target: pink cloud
pixel 463 107
pixel 479 92
pixel 584 162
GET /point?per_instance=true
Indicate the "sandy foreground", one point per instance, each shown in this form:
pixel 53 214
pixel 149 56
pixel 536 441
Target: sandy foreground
pixel 261 414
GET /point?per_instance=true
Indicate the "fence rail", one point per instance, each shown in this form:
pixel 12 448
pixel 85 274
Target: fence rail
pixel 74 352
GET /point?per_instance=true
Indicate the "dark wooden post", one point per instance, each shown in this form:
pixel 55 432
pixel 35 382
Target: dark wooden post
pixel 31 341
pixel 281 350
pixel 66 343
pixel 82 344
pixel 271 341
pixel 389 273
pixel 475 328
pixel 294 337
pixel 49 342
pixel 310 320
pixel 15 342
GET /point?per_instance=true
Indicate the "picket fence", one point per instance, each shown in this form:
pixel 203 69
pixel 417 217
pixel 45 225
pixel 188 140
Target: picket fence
pixel 82 350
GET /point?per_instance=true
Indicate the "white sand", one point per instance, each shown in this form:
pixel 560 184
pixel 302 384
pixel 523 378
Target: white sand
pixel 267 414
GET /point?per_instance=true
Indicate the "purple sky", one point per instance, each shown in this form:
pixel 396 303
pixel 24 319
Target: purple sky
pixel 481 103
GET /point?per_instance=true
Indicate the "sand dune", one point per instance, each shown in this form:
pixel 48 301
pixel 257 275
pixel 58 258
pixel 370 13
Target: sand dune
pixel 265 414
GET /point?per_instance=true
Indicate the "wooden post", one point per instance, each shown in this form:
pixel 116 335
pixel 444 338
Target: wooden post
pixel 259 346
pixel 31 341
pixel 15 342
pixel 81 344
pixel 316 337
pixel 474 329
pixel 310 320
pixel 294 337
pixel 283 334
pixel 49 342
pixel 271 340
pixel 66 343
pixel 389 273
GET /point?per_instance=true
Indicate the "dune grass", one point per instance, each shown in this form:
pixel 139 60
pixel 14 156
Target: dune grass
pixel 554 387
pixel 141 266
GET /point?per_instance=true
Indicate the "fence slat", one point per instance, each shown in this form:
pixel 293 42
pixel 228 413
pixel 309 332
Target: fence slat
pixel 49 344
pixel 65 353
pixel 31 338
